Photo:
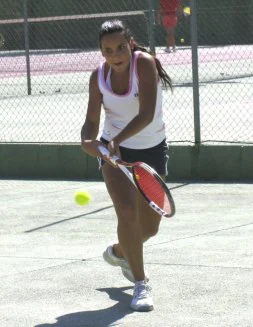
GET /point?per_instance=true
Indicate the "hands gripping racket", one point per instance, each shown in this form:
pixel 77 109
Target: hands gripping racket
pixel 147 181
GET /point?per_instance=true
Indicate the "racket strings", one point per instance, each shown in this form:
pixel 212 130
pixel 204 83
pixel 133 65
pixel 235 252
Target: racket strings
pixel 152 188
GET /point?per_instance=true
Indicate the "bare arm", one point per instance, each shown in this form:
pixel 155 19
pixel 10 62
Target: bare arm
pixel 90 128
pixel 147 97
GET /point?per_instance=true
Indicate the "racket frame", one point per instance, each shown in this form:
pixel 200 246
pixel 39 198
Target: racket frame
pixel 122 165
pixel 162 184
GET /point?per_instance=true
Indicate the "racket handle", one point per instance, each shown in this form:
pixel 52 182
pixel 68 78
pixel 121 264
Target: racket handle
pixel 105 152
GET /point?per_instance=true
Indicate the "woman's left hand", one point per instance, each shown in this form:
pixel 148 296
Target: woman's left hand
pixel 113 147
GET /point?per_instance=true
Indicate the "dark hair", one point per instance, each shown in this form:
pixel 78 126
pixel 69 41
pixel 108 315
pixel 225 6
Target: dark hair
pixel 113 26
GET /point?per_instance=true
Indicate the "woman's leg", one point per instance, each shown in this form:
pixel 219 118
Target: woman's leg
pixel 130 235
pixel 149 222
pixel 170 37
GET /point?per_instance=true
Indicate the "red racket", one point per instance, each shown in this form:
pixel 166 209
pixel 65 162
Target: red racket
pixel 147 181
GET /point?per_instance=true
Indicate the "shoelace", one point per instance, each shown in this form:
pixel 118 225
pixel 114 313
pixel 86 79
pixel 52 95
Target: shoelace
pixel 142 290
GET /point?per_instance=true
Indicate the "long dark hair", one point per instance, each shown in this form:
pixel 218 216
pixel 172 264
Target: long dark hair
pixel 112 26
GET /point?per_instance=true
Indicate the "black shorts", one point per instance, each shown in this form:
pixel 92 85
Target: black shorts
pixel 156 157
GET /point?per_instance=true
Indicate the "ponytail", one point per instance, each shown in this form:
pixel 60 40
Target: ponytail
pixel 165 79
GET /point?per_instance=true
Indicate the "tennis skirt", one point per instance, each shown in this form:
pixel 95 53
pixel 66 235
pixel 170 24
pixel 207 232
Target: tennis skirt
pixel 156 157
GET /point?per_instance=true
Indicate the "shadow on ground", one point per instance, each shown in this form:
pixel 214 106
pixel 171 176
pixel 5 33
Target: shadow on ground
pixel 98 318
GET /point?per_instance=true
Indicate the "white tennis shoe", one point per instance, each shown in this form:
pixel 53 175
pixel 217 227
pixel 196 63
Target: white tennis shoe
pixel 113 260
pixel 142 299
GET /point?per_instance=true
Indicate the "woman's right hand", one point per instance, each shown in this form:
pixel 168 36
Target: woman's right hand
pixel 91 147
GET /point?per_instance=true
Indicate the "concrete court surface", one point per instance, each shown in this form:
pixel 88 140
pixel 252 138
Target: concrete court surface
pixel 52 273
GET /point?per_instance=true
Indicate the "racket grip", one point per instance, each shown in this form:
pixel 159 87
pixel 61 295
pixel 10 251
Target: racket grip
pixel 105 152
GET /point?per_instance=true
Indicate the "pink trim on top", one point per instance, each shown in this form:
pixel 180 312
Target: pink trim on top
pixel 132 67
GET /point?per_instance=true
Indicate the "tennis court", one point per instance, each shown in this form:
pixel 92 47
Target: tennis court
pixel 51 267
pixel 52 273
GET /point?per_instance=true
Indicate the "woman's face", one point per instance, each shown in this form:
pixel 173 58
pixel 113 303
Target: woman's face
pixel 116 50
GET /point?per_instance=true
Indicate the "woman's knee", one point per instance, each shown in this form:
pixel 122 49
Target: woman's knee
pixel 150 222
pixel 149 231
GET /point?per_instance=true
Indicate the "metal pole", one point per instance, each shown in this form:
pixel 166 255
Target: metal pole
pixel 195 71
pixel 151 25
pixel 27 48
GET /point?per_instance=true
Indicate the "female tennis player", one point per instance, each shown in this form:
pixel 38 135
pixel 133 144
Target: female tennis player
pixel 128 85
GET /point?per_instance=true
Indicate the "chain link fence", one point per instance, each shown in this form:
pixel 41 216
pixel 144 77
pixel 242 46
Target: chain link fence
pixel 49 48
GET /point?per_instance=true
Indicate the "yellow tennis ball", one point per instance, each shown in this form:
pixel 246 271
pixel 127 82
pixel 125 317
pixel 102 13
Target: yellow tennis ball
pixel 187 11
pixel 82 198
pixel 182 40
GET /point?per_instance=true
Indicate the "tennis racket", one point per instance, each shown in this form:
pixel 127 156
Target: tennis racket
pixel 147 181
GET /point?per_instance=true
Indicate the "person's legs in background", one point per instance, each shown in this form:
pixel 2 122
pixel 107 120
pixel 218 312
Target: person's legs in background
pixel 170 23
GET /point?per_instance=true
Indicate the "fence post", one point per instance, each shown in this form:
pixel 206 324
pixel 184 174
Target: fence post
pixel 151 24
pixel 27 47
pixel 195 71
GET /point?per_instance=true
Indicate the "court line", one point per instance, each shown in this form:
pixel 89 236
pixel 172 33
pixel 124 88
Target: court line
pixel 198 265
pixel 200 234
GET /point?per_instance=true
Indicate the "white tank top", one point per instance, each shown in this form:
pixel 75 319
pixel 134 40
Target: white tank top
pixel 121 109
